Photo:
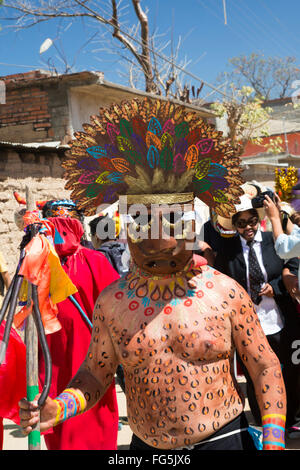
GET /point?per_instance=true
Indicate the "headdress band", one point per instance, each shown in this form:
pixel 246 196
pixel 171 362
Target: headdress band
pixel 172 198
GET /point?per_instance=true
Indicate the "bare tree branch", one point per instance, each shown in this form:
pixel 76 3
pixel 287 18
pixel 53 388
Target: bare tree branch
pixel 158 72
pixel 270 77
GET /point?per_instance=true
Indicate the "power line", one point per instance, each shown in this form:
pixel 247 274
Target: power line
pixel 235 30
pixel 107 25
pixel 263 27
pixel 270 12
pixel 19 65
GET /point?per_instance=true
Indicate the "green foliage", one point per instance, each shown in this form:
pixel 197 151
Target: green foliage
pixel 247 118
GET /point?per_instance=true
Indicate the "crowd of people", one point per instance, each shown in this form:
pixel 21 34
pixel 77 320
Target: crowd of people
pixel 269 273
pixel 264 263
pixel 163 309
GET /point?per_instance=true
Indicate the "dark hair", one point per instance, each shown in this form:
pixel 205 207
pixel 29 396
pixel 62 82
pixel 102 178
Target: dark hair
pixel 236 216
pixel 295 218
pixel 50 205
pixel 46 209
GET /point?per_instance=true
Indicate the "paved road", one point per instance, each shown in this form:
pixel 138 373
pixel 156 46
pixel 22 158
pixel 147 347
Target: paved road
pixel 14 440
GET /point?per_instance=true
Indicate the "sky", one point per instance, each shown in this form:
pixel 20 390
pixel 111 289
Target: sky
pixel 210 37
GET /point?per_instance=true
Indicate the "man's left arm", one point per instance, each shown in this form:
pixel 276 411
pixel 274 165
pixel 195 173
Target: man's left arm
pixel 263 367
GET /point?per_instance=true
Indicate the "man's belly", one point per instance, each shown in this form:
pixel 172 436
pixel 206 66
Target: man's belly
pixel 178 404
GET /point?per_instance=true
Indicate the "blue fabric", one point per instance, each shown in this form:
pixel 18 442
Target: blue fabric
pixel 257 437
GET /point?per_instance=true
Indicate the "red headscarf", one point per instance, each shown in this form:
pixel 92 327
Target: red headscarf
pixel 71 231
pixel 90 271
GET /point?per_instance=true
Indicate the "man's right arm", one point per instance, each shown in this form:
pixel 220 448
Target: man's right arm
pixel 86 388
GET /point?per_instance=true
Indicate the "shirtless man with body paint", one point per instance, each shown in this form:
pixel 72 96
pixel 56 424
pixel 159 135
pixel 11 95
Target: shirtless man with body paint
pixel 174 323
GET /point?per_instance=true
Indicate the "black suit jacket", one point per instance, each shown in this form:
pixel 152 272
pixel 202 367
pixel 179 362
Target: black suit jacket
pixel 230 260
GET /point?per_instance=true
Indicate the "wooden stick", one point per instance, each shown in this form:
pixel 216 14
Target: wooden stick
pixel 31 341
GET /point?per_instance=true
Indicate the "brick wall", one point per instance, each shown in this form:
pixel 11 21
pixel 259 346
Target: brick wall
pixel 25 116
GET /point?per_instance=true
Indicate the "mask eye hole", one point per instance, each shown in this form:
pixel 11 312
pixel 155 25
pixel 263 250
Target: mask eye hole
pixel 171 219
pixel 142 219
pixel 141 222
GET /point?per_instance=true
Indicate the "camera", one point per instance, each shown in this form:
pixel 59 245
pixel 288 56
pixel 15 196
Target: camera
pixel 258 201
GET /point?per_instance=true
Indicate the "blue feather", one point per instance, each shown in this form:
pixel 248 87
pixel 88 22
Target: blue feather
pixel 115 177
pixel 97 151
pixel 153 156
pixel 215 169
pixel 155 127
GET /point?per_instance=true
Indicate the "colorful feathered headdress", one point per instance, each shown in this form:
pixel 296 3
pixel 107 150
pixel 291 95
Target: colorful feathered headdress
pixel 152 147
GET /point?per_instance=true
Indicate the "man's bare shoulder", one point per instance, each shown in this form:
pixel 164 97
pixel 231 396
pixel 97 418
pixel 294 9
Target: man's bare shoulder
pixel 225 280
pixel 109 290
pixel 223 284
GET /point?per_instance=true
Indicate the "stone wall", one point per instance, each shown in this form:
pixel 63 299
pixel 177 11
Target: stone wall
pixel 41 171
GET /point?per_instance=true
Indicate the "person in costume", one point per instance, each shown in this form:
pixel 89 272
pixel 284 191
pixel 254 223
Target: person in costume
pixel 105 231
pixel 64 208
pixel 12 379
pixel 172 321
pixel 285 223
pixel 90 272
pixel 262 277
pixel 104 234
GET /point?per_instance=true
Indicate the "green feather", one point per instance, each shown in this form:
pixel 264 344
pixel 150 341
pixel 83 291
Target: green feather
pixel 126 129
pixel 181 130
pixel 93 190
pixel 166 158
pixel 202 185
pixel 133 157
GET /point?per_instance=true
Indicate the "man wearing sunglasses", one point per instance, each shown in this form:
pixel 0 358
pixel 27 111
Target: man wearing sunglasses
pixel 275 308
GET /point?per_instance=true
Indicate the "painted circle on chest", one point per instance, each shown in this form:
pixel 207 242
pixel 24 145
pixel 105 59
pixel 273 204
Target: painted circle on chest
pixel 133 305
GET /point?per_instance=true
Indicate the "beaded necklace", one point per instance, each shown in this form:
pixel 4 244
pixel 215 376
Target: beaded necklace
pixel 164 287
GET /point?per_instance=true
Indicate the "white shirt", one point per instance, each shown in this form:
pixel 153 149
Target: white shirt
pixel 268 313
pixel 288 246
